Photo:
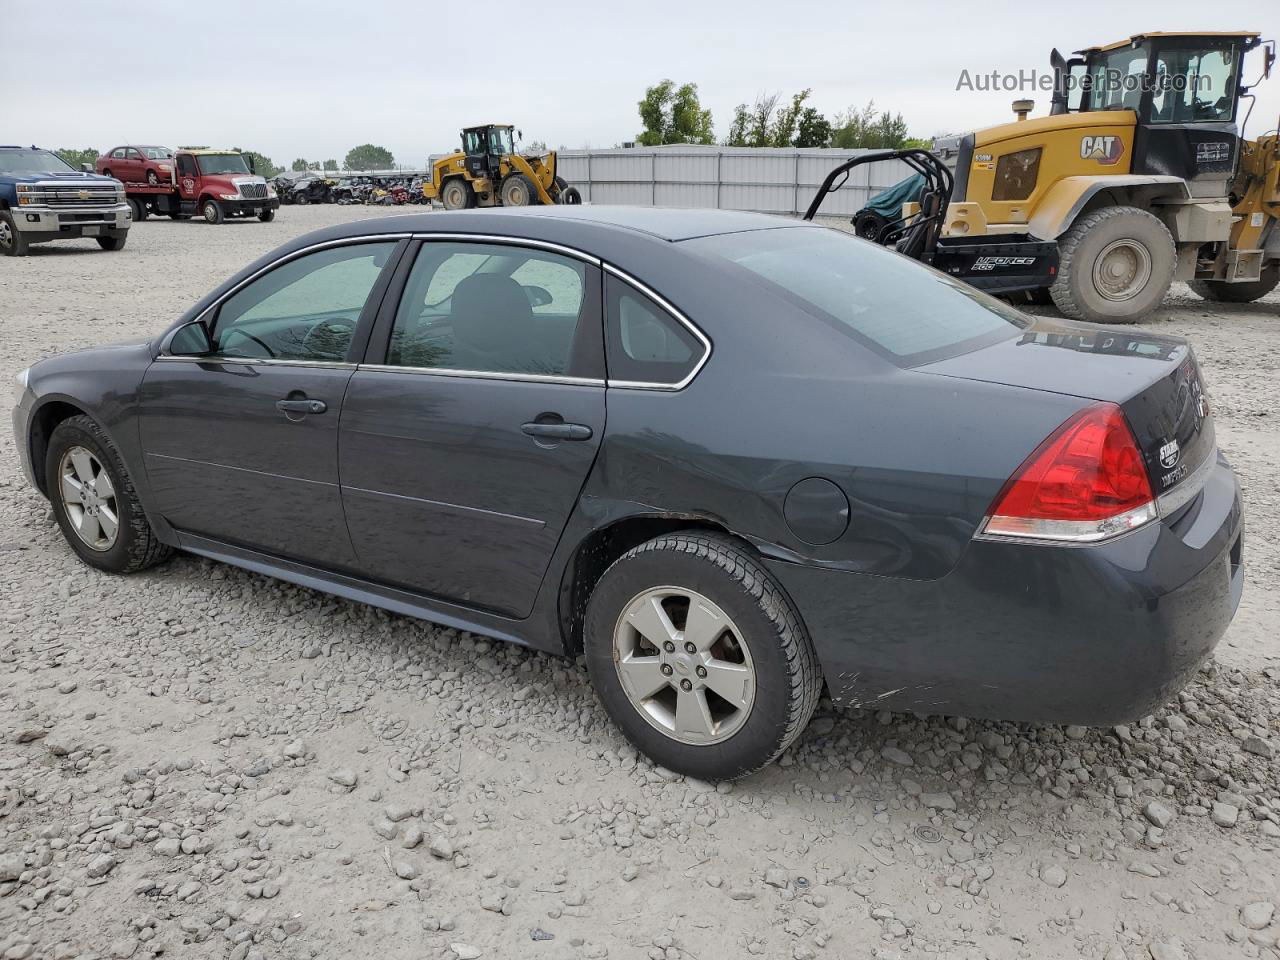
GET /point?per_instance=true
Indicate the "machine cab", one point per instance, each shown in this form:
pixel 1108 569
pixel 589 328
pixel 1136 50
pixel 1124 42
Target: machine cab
pixel 1184 89
pixel 485 147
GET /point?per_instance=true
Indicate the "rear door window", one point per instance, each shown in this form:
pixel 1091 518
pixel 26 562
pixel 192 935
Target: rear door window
pixel 901 309
pixel 645 343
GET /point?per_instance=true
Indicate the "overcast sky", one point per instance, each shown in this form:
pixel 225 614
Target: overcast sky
pixel 314 79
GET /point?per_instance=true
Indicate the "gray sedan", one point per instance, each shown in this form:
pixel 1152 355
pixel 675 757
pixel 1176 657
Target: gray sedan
pixel 727 457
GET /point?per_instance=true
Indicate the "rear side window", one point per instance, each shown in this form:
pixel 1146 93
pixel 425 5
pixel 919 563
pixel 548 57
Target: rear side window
pixel 645 343
pixel 899 308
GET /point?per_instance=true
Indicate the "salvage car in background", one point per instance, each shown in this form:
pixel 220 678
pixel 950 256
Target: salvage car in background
pixel 821 461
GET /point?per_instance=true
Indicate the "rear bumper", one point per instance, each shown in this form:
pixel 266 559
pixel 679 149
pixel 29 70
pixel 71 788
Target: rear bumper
pixel 1092 635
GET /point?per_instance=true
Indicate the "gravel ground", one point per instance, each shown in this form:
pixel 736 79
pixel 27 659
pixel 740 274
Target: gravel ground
pixel 202 762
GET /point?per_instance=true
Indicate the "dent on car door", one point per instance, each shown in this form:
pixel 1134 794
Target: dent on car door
pixel 241 446
pixel 465 445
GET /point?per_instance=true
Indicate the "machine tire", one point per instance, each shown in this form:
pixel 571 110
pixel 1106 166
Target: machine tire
pixel 266 216
pixel 457 194
pixel 868 225
pixel 1223 292
pixel 1100 234
pixel 519 191
pixel 12 241
pixel 136 546
pixel 211 210
pixel 114 242
pixel 780 655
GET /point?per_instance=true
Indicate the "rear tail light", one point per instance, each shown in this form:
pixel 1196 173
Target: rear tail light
pixel 1085 483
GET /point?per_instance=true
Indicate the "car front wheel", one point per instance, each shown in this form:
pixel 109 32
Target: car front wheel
pixel 212 211
pixel 699 656
pixel 94 500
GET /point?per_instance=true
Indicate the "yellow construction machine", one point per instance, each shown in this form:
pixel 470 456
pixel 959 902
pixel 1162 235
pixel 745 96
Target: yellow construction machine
pixel 488 172
pixel 1138 177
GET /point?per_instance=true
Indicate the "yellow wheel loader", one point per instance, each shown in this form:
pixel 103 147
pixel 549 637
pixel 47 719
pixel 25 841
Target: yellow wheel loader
pixel 1138 177
pixel 487 172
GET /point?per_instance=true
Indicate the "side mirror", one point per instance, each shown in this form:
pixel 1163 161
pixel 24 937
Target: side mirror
pixel 86 168
pixel 191 340
pixel 249 161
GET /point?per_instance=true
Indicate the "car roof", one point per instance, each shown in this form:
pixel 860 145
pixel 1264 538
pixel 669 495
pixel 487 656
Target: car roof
pixel 664 223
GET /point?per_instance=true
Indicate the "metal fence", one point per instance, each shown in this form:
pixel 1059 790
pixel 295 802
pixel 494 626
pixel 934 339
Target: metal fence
pixel 769 180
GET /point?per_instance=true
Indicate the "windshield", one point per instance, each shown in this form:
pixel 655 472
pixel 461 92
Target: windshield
pixel 158 153
pixel 902 310
pixel 32 161
pixel 222 163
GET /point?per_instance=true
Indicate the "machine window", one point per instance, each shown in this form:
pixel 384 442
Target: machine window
pixel 1016 175
pixel 1194 85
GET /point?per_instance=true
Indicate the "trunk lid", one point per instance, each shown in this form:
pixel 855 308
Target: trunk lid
pixel 1154 379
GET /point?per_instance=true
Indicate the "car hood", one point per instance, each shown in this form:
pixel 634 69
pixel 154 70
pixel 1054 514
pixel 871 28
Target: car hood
pixel 70 176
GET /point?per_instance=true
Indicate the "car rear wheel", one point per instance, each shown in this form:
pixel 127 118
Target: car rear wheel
pixel 12 242
pixel 94 500
pixel 212 211
pixel 1115 266
pixel 1246 292
pixel 699 656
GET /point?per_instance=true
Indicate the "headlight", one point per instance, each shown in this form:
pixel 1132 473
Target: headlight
pixel 229 196
pixel 21 388
pixel 24 189
pixel 165 167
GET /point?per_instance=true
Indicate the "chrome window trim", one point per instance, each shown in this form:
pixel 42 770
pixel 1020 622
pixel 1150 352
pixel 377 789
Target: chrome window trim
pixel 514 242
pixel 483 375
pixel 258 361
pixel 670 308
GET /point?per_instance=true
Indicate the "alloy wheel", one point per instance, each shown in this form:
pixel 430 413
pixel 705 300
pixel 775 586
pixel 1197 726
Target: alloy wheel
pixel 89 499
pixel 684 665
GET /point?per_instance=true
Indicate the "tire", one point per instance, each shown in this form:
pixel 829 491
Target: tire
pixel 12 241
pixel 774 647
pixel 1223 292
pixel 1133 240
pixel 152 178
pixel 136 545
pixel 115 241
pixel 106 171
pixel 266 216
pixel 868 226
pixel 518 191
pixel 211 210
pixel 457 194
pixel 302 200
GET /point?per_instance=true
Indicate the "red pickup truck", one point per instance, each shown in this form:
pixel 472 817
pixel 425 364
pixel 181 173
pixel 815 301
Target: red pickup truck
pixel 214 184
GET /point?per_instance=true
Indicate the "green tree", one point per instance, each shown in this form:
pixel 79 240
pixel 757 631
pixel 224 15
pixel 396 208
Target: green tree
pixel 672 115
pixel 299 165
pixel 738 128
pixel 813 129
pixel 331 164
pixel 869 128
pixel 368 156
pixel 783 131
pixel 76 157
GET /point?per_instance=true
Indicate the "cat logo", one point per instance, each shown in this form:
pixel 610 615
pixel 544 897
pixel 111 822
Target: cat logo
pixel 1107 150
pixel 1169 455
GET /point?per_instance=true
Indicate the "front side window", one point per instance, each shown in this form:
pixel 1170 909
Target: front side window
pixel 498 308
pixel 306 309
pixel 1117 78
pixel 900 309
pixel 187 165
pixel 1194 85
pixel 645 343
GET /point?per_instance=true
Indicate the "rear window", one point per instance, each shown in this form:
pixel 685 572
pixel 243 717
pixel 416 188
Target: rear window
pixel 900 309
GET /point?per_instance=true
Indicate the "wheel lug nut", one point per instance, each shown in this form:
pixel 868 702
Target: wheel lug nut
pixel 702 672
pixel 666 669
pixel 686 685
pixel 669 647
pixel 690 648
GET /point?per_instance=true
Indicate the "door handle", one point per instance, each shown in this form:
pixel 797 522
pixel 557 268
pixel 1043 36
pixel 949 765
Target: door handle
pixel 301 406
pixel 558 431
